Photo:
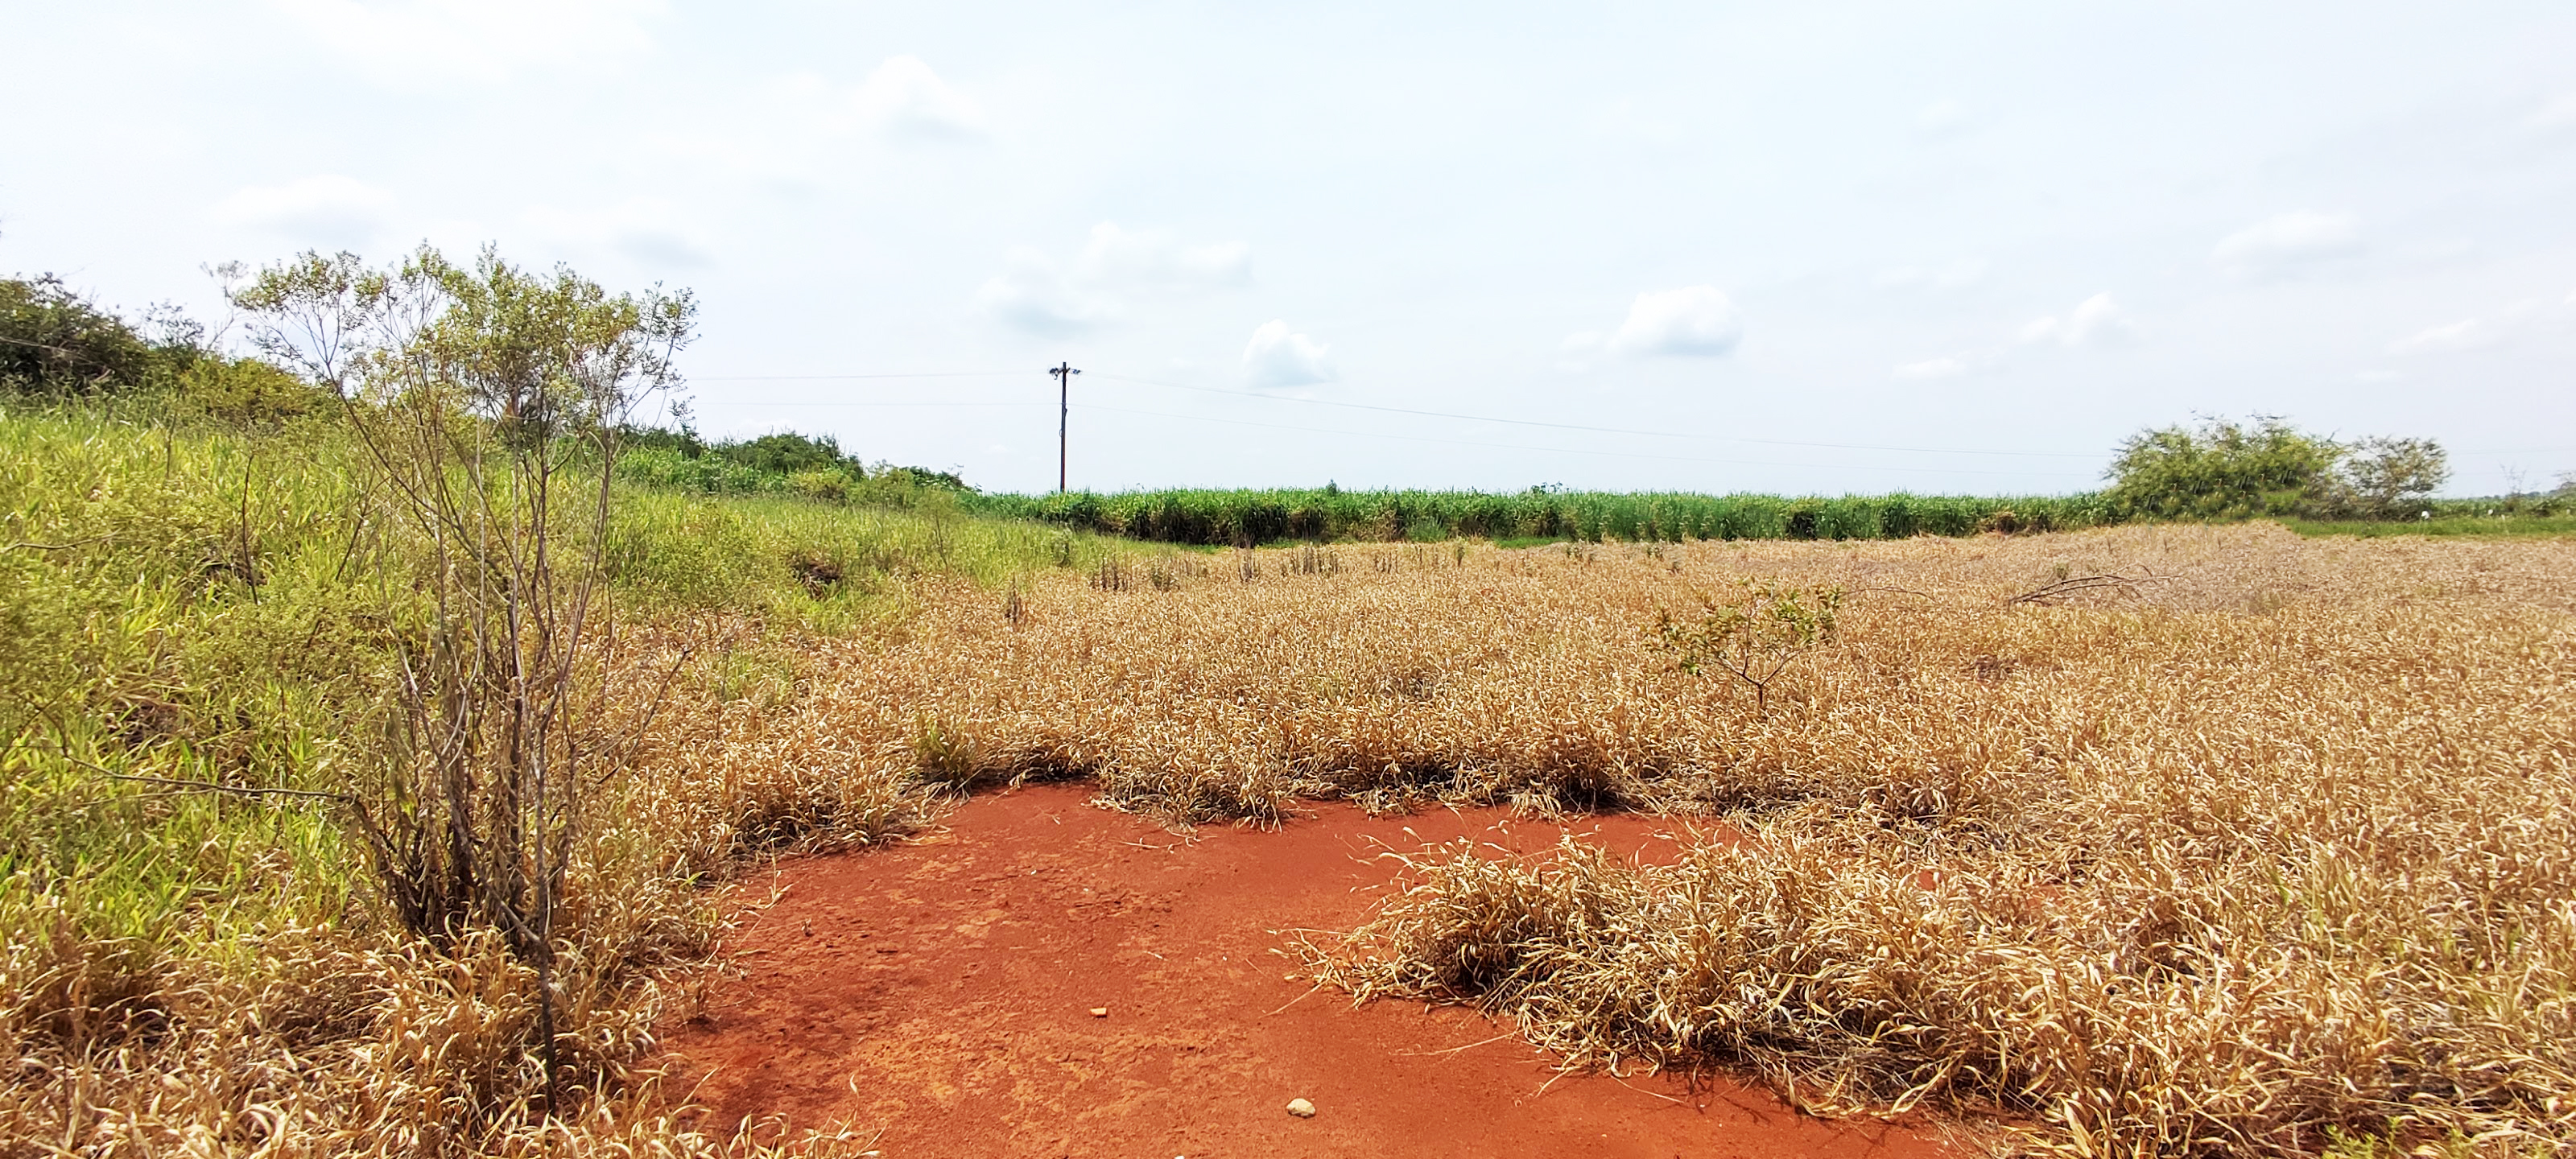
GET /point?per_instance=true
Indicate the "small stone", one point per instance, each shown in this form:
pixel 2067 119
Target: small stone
pixel 1301 1108
pixel 1100 1012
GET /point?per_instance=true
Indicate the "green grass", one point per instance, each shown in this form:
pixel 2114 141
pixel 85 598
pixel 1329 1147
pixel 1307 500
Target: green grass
pixel 1330 514
pixel 817 564
pixel 2476 526
pixel 189 603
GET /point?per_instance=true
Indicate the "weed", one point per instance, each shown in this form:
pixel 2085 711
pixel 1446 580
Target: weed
pixel 1756 636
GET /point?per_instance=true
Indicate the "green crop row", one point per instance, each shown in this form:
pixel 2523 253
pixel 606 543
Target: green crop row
pixel 1247 517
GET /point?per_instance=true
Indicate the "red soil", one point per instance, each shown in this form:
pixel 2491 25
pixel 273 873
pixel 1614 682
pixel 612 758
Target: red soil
pixel 944 991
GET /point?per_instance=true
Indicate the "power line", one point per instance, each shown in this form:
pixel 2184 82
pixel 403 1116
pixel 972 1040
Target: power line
pixel 840 377
pixel 838 402
pixel 1597 430
pixel 1454 415
pixel 1561 450
pixel 1381 409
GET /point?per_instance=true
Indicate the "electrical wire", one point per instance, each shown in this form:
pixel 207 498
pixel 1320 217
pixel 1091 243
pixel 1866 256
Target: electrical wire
pixel 1372 407
pixel 1020 402
pixel 839 377
pixel 1552 450
pixel 1597 430
pixel 1446 415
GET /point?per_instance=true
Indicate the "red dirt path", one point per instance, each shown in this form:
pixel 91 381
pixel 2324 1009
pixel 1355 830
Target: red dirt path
pixel 943 991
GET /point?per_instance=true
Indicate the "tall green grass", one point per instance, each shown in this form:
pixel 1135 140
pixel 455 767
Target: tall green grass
pixel 816 562
pixel 194 617
pixel 1269 516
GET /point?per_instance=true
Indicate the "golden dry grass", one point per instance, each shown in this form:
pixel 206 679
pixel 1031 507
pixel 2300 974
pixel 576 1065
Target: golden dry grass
pixel 2280 843
pixel 2272 849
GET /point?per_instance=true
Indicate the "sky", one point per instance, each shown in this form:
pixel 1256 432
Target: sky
pixel 1813 248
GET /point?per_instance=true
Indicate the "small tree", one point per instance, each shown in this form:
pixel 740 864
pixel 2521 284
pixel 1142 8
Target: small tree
pixel 1755 637
pixel 2221 470
pixel 490 400
pixel 2385 475
pixel 54 342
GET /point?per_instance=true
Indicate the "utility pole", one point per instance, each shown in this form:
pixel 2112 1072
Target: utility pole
pixel 1063 409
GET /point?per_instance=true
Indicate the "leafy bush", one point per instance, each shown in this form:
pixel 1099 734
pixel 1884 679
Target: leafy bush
pixel 2385 478
pixel 247 392
pixel 2222 470
pixel 54 342
pixel 782 463
pixel 786 453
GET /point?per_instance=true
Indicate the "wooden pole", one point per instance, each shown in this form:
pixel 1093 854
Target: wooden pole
pixel 1064 408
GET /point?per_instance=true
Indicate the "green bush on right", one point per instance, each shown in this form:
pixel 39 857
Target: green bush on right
pixel 2223 469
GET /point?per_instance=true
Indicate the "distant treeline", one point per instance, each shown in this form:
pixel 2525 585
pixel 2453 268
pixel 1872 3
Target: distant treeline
pixel 1249 517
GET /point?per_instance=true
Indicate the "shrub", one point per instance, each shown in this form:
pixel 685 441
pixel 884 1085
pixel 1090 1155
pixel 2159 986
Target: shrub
pixel 476 393
pixel 247 392
pixel 1757 636
pixel 786 453
pixel 55 342
pixel 830 485
pixel 2222 470
pixel 2384 478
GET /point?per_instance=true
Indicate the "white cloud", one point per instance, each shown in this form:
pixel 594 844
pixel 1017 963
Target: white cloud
pixel 1691 321
pixel 2465 334
pixel 2490 328
pixel 1032 295
pixel 325 209
pixel 1153 260
pixel 799 126
pixel 645 231
pixel 420 43
pixel 2095 321
pixel 1277 358
pixel 1117 271
pixel 2289 243
pixel 905 97
pixel 1951 367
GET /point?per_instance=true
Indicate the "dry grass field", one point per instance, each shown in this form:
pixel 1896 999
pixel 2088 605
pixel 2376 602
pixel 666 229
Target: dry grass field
pixel 2266 854
pixel 2270 852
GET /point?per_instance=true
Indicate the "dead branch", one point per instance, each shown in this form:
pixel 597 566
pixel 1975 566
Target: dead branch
pixel 2052 593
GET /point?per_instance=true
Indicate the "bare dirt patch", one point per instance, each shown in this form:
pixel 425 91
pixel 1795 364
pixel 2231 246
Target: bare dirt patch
pixel 946 991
